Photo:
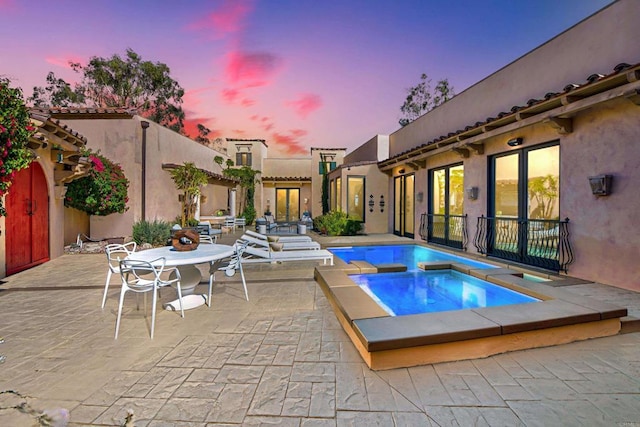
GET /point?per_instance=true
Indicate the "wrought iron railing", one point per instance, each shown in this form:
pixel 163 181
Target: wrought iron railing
pixel 537 242
pixel 448 230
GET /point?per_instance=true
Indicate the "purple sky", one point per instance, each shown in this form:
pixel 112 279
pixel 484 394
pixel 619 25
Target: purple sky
pixel 297 73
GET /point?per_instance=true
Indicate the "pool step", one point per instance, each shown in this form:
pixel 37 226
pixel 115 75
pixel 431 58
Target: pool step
pixel 367 268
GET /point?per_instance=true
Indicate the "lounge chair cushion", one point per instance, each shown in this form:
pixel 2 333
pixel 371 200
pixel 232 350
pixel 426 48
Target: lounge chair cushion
pixel 277 247
pixel 273 239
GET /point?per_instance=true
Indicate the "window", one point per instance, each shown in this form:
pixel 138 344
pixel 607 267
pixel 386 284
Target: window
pixel 338 206
pixel 243 159
pixel 355 197
pixel 326 167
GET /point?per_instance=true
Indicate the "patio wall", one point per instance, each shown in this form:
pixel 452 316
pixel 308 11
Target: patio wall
pixel 121 140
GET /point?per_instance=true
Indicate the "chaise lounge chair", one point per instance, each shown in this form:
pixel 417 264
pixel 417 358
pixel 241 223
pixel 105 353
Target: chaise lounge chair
pixel 255 255
pixel 285 246
pixel 279 239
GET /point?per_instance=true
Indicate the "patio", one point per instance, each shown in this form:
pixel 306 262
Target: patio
pixel 281 359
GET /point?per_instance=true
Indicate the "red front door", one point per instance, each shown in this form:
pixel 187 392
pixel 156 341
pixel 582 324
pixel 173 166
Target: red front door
pixel 27 220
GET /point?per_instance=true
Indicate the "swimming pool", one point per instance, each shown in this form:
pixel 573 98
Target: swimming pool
pixel 418 291
pixel 409 255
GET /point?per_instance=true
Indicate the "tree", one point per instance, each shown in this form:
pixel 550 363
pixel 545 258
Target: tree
pixel 248 178
pixel 190 180
pixel 422 99
pixel 127 82
pixel 203 134
pixel 15 131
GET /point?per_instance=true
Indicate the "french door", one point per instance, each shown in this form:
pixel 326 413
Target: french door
pixel 404 208
pixel 446 220
pixel 524 204
pixel 287 204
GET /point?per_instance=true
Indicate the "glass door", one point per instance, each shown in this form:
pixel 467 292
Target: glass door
pixel 525 204
pixel 287 204
pixel 446 207
pixel 404 209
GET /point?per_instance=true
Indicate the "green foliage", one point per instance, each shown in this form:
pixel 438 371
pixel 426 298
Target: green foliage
pixel 102 192
pixel 15 131
pixel 422 99
pixel 325 193
pixel 248 178
pixel 155 232
pixel 189 179
pixel 219 160
pixel 337 223
pixel 127 82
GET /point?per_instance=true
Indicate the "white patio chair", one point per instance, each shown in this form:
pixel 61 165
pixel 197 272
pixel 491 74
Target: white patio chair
pixel 232 264
pixel 206 239
pixel 142 277
pixel 230 223
pixel 240 222
pixel 116 252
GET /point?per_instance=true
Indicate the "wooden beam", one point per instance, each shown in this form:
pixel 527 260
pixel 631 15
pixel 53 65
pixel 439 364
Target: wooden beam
pixel 562 125
pixel 477 147
pixel 463 152
pixel 633 96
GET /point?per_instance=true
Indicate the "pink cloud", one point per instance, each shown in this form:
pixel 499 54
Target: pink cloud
pixel 192 97
pixel 250 69
pixel 227 19
pixel 290 144
pixel 305 104
pixel 264 122
pixel 64 61
pixel 230 95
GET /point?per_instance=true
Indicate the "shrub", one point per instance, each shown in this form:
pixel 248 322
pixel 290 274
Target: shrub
pixel 15 131
pixel 102 192
pixel 249 214
pixel 156 233
pixel 337 223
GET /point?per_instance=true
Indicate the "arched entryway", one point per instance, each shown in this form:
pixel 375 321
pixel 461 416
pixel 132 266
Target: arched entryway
pixel 27 222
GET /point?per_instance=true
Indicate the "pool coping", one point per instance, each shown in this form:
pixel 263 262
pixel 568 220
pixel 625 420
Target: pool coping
pixel 387 342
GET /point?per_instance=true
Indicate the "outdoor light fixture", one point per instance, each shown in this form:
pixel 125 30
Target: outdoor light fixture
pixel 382 203
pixel 372 203
pixel 472 193
pixel 600 185
pixel 515 142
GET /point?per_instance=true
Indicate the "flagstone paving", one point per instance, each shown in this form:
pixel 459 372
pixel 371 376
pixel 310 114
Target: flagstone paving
pixel 279 359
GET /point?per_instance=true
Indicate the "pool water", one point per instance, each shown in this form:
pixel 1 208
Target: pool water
pixel 418 291
pixel 409 255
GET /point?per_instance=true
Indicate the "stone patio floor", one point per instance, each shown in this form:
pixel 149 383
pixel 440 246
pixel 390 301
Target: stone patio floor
pixel 280 359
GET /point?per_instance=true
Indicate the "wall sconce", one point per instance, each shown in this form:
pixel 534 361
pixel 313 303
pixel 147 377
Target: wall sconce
pixel 515 142
pixel 420 197
pixel 601 184
pixel 472 193
pixel 381 203
pixel 371 203
pixel 401 171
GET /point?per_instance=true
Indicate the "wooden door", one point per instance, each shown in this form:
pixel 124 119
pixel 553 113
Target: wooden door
pixel 27 239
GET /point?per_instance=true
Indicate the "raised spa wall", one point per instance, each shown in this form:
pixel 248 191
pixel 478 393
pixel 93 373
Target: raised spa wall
pixel 387 342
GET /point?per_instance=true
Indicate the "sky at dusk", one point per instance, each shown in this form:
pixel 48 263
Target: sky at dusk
pixel 296 73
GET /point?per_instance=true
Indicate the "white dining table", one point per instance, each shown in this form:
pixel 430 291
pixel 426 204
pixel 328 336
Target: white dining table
pixel 186 262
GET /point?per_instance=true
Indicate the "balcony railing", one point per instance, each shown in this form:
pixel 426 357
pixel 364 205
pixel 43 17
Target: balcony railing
pixel 448 230
pixel 540 243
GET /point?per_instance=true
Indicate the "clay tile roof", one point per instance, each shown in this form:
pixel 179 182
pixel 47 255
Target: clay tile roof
pixel 286 178
pixel 74 113
pixel 621 67
pixel 595 83
pixel 594 77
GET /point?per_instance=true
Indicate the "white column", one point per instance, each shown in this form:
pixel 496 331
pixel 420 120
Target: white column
pixel 232 203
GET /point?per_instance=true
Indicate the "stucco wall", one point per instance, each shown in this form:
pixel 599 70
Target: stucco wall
pixel 121 141
pixel 595 45
pixel 377 148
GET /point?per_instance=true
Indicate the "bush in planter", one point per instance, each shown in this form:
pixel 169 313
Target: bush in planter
pixel 337 223
pixel 156 233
